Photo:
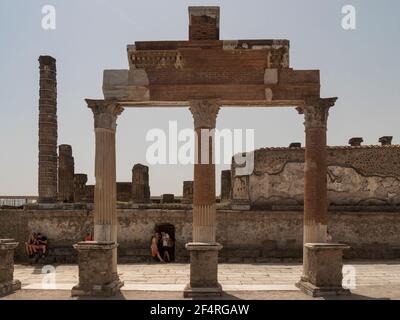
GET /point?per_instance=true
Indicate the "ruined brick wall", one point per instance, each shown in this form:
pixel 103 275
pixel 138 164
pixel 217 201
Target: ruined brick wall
pixel 356 176
pixel 246 235
pixel 124 190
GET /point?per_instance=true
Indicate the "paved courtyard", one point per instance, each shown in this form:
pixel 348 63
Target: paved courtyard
pixel 373 280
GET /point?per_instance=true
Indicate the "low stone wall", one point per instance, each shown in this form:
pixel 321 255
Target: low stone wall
pixel 247 236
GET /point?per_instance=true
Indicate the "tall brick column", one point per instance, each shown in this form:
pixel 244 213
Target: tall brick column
pixel 140 192
pixel 315 170
pixel 204 249
pixel 315 201
pixel 66 173
pixel 47 180
pixel 103 251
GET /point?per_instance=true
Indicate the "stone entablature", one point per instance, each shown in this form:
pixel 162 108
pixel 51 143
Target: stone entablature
pixel 357 175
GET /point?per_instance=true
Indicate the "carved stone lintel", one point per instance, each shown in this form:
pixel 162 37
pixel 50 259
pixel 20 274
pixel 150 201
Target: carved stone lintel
pixel 316 111
pixel 204 113
pixel 105 113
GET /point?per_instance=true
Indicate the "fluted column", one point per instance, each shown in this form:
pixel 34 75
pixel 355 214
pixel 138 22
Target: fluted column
pixel 105 192
pixel 204 249
pixel 98 274
pixel 204 211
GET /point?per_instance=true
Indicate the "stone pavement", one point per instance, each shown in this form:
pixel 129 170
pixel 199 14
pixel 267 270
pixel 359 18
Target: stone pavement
pixel 373 280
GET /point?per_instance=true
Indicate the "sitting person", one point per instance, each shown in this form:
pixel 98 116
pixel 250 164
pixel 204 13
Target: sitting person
pixel 30 246
pixel 88 236
pixel 155 253
pixel 41 243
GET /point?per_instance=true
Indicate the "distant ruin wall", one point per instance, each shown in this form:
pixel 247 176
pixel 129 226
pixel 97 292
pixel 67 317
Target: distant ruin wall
pixel 356 176
pixel 247 236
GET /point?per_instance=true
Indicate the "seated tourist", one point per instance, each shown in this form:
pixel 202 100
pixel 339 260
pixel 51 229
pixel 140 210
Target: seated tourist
pixel 89 236
pixel 41 243
pixel 155 253
pixel 30 246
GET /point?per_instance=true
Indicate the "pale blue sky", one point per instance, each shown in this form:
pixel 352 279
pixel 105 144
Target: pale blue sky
pixel 361 67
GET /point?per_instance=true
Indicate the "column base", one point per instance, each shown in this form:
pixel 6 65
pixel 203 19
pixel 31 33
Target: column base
pixel 322 270
pixel 97 270
pixel 309 289
pixel 9 287
pixel 7 283
pixel 105 290
pixel 203 270
pixel 195 292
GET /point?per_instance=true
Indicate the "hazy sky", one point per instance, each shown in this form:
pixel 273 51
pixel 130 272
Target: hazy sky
pixel 361 67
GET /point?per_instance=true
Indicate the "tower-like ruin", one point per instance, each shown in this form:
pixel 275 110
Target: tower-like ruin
pixel 47 180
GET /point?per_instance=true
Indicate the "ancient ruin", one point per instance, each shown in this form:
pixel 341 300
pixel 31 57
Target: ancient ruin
pixel 281 211
pixel 48 130
pixel 66 172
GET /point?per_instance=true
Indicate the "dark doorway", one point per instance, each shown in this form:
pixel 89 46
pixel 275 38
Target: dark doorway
pixel 170 229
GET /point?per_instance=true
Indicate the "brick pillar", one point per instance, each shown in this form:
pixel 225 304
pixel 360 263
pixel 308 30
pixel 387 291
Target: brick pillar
pixel 315 189
pixel 315 170
pixel 47 180
pixel 187 194
pixel 80 181
pixel 204 23
pixel 225 185
pixel 140 184
pixel 103 251
pixel 65 173
pixel 204 249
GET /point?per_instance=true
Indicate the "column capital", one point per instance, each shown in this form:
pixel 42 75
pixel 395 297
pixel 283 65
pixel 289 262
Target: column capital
pixel 204 113
pixel 105 113
pixel 316 111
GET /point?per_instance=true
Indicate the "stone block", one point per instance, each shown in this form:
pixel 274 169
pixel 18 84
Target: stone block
pixel 322 270
pixel 97 269
pixel 7 282
pixel 203 270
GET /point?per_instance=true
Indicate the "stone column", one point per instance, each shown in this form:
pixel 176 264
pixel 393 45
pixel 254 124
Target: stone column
pixel 315 170
pixel 103 251
pixel 315 182
pixel 7 282
pixel 47 180
pixel 65 173
pixel 204 249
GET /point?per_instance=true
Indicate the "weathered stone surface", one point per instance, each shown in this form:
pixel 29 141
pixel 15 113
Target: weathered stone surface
pixel 203 270
pixel 386 140
pixel 140 184
pixel 124 191
pixel 97 275
pixel 47 180
pixel 365 175
pixel 225 185
pixel 322 270
pixel 356 141
pixel 187 192
pixel 7 282
pixel 66 173
pixel 275 234
pixel 167 198
pixel 79 187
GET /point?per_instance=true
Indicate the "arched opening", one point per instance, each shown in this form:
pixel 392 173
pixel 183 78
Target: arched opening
pixel 170 230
